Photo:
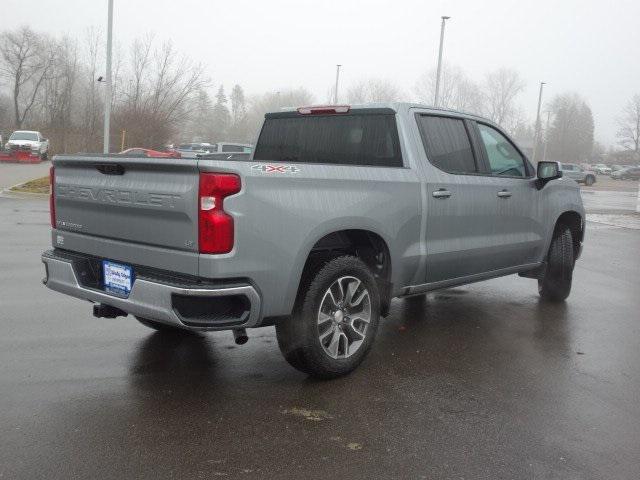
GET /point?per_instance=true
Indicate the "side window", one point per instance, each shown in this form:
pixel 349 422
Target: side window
pixel 447 144
pixel 503 157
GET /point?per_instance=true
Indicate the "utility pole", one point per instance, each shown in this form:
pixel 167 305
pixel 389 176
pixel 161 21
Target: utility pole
pixel 335 97
pixel 107 82
pixel 537 130
pixel 546 136
pixel 439 70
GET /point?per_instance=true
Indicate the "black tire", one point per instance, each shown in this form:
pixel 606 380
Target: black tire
pixel 160 327
pixel 555 284
pixel 590 180
pixel 299 336
pixel 44 156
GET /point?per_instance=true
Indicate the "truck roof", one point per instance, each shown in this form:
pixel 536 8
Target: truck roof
pixel 404 107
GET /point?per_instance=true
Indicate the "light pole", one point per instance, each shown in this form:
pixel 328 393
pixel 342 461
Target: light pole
pixel 537 129
pixel 107 81
pixel 436 97
pixel 546 139
pixel 335 97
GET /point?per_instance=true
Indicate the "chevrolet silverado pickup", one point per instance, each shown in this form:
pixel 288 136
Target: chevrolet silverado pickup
pixel 338 210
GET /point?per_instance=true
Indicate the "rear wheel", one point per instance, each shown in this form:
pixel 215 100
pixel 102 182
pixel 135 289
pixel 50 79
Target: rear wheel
pixel 160 327
pixel 590 180
pixel 335 320
pixel 555 284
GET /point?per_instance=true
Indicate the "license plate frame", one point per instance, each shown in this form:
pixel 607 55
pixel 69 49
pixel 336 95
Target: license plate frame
pixel 117 277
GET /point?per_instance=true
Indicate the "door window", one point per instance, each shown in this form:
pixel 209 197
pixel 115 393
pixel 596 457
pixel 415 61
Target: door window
pixel 503 157
pixel 447 144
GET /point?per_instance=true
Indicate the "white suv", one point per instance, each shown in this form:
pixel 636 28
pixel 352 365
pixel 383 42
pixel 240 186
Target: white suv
pixel 29 138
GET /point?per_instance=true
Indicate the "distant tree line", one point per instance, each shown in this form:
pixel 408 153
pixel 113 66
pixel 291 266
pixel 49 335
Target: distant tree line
pixel 161 96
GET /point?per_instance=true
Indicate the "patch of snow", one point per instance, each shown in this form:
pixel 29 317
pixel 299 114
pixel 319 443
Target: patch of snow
pixel 623 221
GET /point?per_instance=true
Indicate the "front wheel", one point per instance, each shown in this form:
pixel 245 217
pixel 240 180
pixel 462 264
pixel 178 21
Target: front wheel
pixel 590 180
pixel 335 320
pixel 555 283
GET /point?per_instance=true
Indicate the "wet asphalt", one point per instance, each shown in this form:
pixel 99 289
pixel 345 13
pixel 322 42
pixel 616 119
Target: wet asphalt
pixel 483 381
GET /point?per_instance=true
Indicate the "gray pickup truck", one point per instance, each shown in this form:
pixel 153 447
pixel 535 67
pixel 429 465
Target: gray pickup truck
pixel 338 210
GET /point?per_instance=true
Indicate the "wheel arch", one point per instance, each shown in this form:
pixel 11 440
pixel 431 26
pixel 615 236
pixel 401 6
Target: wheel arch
pixel 575 222
pixel 365 243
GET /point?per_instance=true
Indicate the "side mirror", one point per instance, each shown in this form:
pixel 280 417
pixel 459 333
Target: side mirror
pixel 547 171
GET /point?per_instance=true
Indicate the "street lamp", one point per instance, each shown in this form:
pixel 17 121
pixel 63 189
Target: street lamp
pixel 107 81
pixel 335 97
pixel 537 129
pixel 436 98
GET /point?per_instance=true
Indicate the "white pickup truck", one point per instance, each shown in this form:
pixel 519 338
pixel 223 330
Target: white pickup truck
pixel 29 139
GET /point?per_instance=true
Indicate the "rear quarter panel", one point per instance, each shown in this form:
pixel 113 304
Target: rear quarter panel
pixel 280 216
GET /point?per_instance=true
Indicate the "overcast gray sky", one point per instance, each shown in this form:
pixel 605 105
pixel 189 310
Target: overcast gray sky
pixel 588 46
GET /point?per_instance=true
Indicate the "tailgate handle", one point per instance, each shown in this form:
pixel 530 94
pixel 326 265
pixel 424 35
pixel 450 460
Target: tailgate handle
pixel 110 168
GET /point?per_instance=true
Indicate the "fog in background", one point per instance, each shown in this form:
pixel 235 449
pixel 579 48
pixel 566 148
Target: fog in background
pixel 588 47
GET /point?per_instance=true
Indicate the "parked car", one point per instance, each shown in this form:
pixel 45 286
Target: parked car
pixel 226 147
pixel 146 152
pixel 30 139
pixel 615 168
pixel 628 173
pixel 192 150
pixel 601 169
pixel 225 156
pixel 579 174
pixel 339 210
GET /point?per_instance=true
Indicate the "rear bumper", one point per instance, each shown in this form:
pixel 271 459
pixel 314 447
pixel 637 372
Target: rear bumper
pixel 206 307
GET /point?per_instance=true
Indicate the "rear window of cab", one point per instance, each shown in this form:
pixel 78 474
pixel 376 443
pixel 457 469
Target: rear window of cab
pixel 366 137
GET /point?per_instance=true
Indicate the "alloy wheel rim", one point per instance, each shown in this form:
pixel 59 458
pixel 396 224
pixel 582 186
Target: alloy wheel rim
pixel 344 316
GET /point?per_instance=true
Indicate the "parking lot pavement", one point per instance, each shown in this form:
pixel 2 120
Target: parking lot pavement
pixel 14 173
pixel 483 381
pixel 608 202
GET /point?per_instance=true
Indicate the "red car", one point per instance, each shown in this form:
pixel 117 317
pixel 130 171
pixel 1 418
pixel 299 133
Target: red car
pixel 146 152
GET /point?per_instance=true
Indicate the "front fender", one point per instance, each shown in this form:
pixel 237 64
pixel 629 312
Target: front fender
pixel 560 196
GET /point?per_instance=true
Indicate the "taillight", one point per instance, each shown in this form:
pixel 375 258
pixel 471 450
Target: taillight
pixel 324 109
pixel 52 201
pixel 215 226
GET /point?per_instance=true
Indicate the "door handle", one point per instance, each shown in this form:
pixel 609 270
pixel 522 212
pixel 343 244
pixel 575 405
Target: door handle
pixel 441 193
pixel 504 194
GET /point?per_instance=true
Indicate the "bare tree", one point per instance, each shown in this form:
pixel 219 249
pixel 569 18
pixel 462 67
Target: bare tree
pixel 502 87
pixel 373 90
pixel 156 93
pixel 629 126
pixel 457 91
pixel 272 102
pixel 26 60
pixel 92 104
pixel 57 95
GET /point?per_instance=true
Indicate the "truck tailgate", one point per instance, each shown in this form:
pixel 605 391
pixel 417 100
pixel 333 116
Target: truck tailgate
pixel 144 201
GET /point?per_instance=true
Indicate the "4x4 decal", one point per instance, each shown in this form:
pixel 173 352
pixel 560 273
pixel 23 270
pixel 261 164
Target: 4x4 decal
pixel 270 168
